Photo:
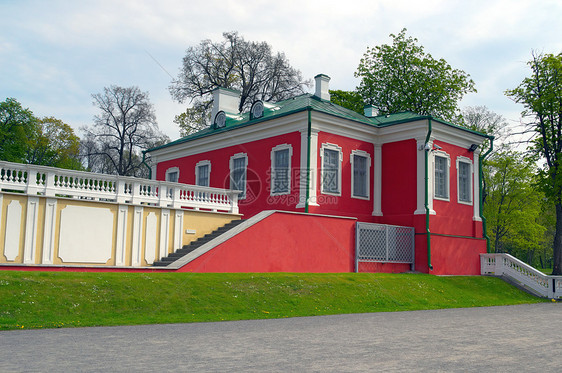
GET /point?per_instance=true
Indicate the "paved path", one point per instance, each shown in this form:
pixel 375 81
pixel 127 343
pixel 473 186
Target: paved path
pixel 501 339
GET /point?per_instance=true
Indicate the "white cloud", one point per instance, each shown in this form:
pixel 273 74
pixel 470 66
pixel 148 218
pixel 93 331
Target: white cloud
pixel 54 55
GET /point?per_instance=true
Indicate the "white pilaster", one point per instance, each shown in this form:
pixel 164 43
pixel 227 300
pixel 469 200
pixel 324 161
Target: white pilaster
pixel 137 236
pixel 121 239
pixel 420 176
pixel 150 238
pixel 476 185
pixel 313 175
pixel 164 233
pixel 49 231
pixel 377 183
pixel 178 230
pixel 30 242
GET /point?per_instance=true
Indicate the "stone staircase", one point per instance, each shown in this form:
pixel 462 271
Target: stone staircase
pixel 521 275
pixel 186 249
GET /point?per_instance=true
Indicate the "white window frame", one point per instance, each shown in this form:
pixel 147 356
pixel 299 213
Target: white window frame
pixel 363 154
pixel 201 164
pixel 273 173
pixel 339 150
pixel 442 154
pixel 468 161
pixel 231 165
pixel 171 170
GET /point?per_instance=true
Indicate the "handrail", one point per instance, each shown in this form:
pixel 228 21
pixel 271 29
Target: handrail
pixel 53 182
pixel 501 264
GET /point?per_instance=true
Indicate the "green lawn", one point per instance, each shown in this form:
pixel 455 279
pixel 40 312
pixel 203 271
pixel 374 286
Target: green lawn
pixel 68 299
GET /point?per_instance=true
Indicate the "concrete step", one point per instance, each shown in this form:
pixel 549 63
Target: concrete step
pixel 186 249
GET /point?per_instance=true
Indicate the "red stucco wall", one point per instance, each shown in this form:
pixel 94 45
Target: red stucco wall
pixel 456 256
pixel 285 242
pixel 258 174
pixel 399 175
pixel 384 267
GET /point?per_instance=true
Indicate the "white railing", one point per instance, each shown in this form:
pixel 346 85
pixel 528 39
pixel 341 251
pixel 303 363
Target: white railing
pixel 515 269
pixel 56 182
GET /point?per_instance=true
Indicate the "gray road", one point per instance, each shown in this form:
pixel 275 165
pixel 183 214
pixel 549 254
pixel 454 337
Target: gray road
pixel 506 339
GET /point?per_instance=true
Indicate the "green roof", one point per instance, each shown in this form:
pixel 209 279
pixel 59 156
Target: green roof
pixel 302 103
pixel 388 119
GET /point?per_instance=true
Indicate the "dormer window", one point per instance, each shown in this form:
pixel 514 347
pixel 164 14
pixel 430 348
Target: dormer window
pixel 220 119
pixel 257 110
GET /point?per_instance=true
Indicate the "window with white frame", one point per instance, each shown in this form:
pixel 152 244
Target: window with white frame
pixel 173 174
pixel 238 169
pixel 441 164
pixel 464 180
pixel 360 165
pixel 203 173
pixel 331 169
pixel 281 169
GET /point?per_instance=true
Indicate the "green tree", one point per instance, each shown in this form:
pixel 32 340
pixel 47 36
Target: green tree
pixel 402 77
pixel 541 96
pixel 547 220
pixel 18 128
pixel 25 138
pixel 513 206
pixel 55 144
pixel 351 100
pixel 247 66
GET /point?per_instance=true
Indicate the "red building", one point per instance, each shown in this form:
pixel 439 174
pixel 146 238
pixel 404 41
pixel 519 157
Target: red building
pixel 307 154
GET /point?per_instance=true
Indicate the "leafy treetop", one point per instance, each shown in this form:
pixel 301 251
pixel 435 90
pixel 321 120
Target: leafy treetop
pixel 25 138
pixel 402 77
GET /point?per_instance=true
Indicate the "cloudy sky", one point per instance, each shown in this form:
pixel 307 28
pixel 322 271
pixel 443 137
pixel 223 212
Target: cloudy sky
pixel 55 54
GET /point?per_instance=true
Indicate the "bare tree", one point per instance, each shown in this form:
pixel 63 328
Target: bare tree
pixel 250 67
pixel 482 119
pixel 125 126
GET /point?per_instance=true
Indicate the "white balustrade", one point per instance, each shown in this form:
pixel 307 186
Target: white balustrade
pixel 51 182
pixel 506 265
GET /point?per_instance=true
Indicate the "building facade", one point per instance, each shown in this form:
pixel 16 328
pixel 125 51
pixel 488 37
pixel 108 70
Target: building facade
pixel 307 154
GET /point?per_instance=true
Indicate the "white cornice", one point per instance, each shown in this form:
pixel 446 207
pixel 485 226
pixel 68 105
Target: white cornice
pixel 403 131
pixel 418 130
pixel 343 127
pixel 242 135
pixel 455 136
pixel 320 122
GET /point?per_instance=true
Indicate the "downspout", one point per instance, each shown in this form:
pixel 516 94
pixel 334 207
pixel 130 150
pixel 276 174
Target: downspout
pixel 144 163
pixel 309 135
pixel 427 231
pixel 480 185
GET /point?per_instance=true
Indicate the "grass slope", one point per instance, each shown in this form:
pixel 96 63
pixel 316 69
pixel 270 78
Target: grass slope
pixel 66 299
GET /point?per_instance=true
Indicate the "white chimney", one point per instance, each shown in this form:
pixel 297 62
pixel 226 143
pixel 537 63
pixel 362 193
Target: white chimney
pixel 370 111
pixel 322 87
pixel 226 100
